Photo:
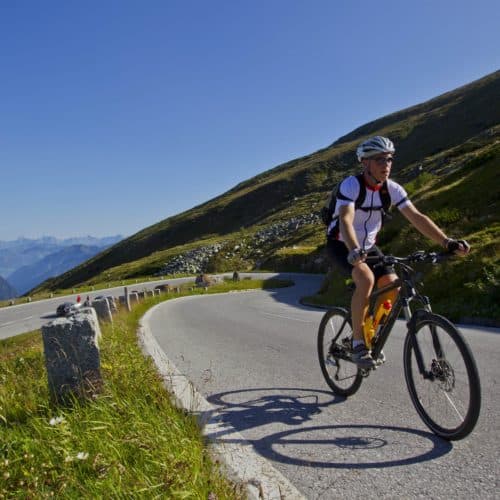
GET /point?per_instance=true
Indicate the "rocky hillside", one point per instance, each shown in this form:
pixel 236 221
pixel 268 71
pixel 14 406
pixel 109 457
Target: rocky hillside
pixel 447 152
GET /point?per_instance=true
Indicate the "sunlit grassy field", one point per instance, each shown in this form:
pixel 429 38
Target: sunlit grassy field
pixel 130 442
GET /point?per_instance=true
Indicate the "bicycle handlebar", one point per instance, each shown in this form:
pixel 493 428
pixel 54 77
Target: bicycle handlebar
pixel 419 256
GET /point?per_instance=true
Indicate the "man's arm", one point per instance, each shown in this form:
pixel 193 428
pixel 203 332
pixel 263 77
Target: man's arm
pixel 424 224
pixel 428 228
pixel 346 218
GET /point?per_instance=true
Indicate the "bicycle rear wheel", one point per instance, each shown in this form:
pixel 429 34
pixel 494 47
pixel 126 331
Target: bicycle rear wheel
pixel 444 386
pixel 334 341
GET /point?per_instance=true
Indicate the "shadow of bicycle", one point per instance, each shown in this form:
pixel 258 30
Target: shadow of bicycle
pixel 357 446
pixel 287 406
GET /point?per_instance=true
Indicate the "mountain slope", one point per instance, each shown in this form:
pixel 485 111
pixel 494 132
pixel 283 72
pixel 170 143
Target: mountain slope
pixel 21 252
pixel 453 136
pixel 6 290
pixel 54 264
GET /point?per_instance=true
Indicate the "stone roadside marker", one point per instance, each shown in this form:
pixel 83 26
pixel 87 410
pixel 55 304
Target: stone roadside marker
pixel 71 348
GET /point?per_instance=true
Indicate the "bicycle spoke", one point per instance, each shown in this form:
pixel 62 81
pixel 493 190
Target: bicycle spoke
pixel 460 416
pixel 334 340
pixel 437 401
pixel 448 396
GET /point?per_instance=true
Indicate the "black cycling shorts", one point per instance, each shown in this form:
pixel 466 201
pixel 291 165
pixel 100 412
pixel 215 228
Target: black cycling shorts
pixel 338 252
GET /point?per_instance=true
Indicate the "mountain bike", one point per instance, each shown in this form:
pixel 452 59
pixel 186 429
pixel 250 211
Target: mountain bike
pixel 440 371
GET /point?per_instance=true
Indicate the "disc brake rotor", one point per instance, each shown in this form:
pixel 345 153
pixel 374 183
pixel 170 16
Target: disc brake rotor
pixel 443 373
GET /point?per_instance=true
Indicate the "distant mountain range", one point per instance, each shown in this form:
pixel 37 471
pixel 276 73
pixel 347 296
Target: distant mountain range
pixel 6 290
pixel 24 263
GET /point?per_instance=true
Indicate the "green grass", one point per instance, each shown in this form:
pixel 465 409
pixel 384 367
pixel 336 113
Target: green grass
pixel 438 134
pixel 130 442
pixel 465 204
pixel 454 138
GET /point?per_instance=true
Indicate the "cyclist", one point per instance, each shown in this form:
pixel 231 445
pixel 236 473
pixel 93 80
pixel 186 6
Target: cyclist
pixel 352 233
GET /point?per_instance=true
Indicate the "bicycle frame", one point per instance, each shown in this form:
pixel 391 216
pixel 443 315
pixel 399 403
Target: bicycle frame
pixel 407 294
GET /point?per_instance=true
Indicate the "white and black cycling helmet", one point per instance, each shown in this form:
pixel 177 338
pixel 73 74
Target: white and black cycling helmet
pixel 373 146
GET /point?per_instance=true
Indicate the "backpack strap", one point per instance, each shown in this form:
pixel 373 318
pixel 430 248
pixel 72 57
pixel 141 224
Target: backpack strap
pixel 339 196
pixel 385 199
pixel 329 207
pixel 362 192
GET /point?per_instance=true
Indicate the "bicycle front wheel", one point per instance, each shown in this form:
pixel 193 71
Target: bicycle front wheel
pixel 334 351
pixel 442 377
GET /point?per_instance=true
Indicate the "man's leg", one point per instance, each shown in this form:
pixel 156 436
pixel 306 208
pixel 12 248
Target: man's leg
pixel 364 281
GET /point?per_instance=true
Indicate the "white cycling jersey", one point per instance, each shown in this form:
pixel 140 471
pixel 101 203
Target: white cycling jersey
pixel 367 223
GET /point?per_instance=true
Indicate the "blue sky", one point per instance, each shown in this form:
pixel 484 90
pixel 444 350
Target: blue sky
pixel 115 114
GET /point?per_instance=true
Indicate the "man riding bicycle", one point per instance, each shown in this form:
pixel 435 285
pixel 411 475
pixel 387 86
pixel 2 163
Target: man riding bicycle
pixel 352 233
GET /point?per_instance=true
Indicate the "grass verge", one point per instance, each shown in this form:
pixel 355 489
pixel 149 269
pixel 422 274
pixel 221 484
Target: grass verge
pixel 131 442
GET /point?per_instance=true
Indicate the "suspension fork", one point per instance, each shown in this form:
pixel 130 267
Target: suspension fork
pixel 435 339
pixel 412 321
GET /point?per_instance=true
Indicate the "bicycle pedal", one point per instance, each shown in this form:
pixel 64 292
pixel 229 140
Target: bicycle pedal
pixel 381 359
pixel 331 362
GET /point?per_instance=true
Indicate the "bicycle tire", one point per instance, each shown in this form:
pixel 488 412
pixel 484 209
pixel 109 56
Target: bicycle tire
pixel 453 386
pixel 342 376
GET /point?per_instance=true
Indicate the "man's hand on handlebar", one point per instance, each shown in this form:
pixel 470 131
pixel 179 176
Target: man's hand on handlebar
pixel 458 247
pixel 356 256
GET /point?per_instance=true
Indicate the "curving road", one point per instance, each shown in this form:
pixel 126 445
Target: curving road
pixel 253 356
pixel 27 317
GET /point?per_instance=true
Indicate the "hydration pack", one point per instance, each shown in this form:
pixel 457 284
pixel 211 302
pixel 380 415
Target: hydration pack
pixel 328 209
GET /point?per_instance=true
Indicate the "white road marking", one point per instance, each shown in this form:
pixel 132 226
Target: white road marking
pixel 287 317
pixel 15 321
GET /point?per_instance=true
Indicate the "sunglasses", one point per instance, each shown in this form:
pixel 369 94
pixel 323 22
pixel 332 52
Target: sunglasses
pixel 381 160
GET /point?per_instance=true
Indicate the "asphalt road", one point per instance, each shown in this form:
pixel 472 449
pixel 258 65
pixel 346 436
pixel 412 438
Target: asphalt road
pixel 27 317
pixel 253 355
